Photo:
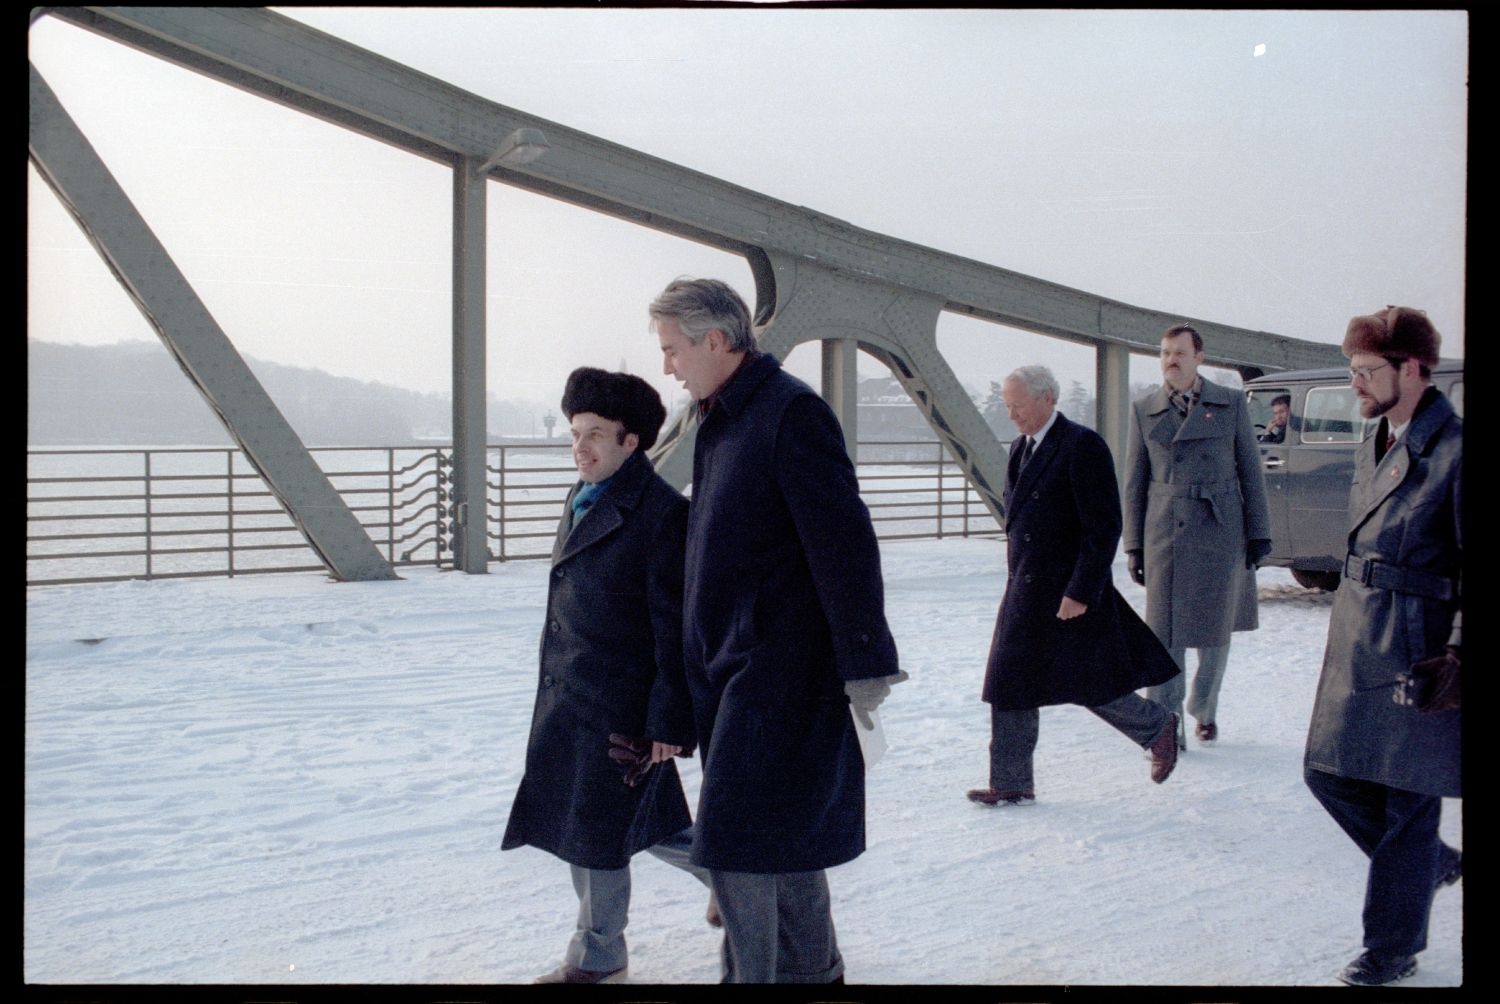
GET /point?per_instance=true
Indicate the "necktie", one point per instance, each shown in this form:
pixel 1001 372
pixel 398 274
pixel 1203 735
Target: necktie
pixel 1026 453
pixel 1387 440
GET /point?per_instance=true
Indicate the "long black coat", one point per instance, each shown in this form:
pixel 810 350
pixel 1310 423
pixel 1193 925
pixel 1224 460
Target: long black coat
pixel 611 661
pixel 784 602
pixel 1062 525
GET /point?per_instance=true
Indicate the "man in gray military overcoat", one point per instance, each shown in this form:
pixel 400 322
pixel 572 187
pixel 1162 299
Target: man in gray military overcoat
pixel 1196 522
pixel 1383 748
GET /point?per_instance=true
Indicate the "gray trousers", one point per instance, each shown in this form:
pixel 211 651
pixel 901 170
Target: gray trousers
pixel 778 928
pixel 1013 736
pixel 604 906
pixel 1203 702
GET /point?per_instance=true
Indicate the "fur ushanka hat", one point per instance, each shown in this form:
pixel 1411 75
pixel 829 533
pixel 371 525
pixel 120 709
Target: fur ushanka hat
pixel 1394 331
pixel 619 397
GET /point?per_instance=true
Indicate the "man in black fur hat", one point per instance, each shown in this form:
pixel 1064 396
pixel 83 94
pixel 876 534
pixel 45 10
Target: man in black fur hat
pixel 611 684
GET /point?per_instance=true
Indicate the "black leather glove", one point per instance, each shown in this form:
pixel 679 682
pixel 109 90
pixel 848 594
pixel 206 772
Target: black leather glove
pixel 1137 565
pixel 1431 685
pixel 1256 551
pixel 634 755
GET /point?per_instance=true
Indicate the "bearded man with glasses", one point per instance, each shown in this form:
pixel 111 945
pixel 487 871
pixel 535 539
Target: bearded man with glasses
pixel 1383 748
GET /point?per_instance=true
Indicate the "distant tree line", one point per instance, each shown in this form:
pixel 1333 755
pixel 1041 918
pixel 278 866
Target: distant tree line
pixel 134 394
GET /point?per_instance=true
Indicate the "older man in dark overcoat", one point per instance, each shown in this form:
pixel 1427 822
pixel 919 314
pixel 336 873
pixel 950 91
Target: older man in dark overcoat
pixel 1064 634
pixel 784 628
pixel 1384 746
pixel 612 705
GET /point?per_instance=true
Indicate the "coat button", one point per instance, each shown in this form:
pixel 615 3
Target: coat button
pixel 1180 523
pixel 1036 495
pixel 1028 578
pixel 559 573
pixel 1027 537
pixel 556 627
pixel 547 681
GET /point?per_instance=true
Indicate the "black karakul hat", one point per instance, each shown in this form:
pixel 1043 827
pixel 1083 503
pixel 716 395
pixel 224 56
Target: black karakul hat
pixel 1394 331
pixel 619 397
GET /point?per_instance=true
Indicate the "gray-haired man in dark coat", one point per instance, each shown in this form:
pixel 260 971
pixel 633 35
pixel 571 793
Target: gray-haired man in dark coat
pixel 1064 634
pixel 784 627
pixel 1383 748
pixel 610 686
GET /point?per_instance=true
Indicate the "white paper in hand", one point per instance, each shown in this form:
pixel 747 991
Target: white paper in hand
pixel 872 740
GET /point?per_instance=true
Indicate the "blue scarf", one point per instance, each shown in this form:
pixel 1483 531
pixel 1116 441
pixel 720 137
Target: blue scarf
pixel 585 497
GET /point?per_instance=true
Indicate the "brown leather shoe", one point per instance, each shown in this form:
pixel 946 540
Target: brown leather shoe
pixel 1207 732
pixel 1003 796
pixel 572 974
pixel 1164 751
pixel 712 915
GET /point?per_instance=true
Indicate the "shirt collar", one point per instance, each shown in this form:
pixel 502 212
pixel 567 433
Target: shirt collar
pixel 1046 427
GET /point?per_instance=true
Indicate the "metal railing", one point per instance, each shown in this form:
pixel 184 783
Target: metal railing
pixel 97 515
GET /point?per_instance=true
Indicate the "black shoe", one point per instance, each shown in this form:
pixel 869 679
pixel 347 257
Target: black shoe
pixel 1450 867
pixel 1371 970
pixel 1164 751
pixel 1208 733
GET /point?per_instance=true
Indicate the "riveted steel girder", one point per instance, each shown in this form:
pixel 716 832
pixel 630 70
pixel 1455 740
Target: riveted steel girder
pixel 110 221
pixel 896 326
pixel 288 62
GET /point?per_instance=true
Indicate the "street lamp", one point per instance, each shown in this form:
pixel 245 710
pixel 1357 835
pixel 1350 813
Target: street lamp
pixel 522 146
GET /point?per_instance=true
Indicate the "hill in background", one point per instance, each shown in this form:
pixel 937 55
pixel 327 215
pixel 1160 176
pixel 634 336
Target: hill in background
pixel 134 393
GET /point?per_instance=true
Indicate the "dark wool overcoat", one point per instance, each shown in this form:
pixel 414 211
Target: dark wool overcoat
pixel 784 602
pixel 1194 495
pixel 611 661
pixel 1062 525
pixel 1397 604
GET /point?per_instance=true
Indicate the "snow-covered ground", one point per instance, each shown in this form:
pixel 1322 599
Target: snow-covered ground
pixel 278 779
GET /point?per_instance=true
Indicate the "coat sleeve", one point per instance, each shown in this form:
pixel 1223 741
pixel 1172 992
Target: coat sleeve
pixel 1096 503
pixel 1137 483
pixel 1456 636
pixel 669 709
pixel 1252 478
pixel 833 525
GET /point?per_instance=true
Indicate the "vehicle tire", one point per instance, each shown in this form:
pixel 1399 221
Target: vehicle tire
pixel 1313 579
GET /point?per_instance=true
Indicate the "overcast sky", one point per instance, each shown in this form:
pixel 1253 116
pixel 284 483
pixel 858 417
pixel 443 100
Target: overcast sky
pixel 1275 170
